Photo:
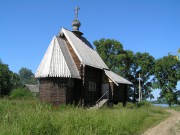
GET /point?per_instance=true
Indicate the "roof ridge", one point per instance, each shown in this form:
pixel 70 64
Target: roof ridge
pixel 58 39
pixel 52 55
pixel 70 58
pixel 86 55
pixel 63 57
pixel 63 47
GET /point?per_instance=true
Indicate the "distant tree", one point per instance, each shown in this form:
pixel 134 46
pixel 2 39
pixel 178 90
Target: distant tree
pixel 128 65
pixel 167 74
pixel 5 79
pixel 15 78
pixel 26 76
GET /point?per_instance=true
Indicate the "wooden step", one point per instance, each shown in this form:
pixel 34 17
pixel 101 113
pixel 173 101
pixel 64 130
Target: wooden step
pixel 99 104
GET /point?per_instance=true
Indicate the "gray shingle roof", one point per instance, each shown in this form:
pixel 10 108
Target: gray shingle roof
pixel 57 61
pixel 86 54
pixel 116 78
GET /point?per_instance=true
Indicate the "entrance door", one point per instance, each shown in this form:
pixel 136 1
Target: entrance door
pixel 105 88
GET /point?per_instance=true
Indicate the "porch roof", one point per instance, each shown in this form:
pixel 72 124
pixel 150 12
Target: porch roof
pixel 116 78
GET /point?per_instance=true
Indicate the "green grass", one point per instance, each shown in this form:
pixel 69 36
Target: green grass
pixel 30 117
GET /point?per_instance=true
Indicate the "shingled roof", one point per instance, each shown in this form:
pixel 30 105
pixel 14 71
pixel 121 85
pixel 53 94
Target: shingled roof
pixel 83 49
pixel 116 78
pixel 57 61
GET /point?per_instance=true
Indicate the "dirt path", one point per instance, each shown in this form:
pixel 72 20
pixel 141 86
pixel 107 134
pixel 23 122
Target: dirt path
pixel 170 126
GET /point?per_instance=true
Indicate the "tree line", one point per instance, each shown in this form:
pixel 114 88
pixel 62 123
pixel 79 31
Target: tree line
pixel 10 80
pixel 162 73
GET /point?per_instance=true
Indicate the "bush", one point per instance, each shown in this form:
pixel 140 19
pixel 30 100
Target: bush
pixel 118 106
pixel 130 105
pixel 20 93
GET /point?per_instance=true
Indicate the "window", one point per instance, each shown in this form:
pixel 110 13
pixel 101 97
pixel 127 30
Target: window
pixel 92 86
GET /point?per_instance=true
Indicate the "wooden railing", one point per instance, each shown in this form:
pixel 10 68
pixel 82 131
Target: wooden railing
pixel 101 97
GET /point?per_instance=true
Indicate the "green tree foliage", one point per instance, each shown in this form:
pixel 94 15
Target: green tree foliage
pixel 5 79
pixel 167 74
pixel 110 51
pixel 16 80
pixel 10 80
pixel 20 93
pixel 135 64
pixel 143 64
pixel 128 64
pixel 26 76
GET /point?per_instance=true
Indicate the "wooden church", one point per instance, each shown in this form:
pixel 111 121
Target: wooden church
pixel 72 72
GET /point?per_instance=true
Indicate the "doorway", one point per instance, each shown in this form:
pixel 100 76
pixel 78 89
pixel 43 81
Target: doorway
pixel 105 88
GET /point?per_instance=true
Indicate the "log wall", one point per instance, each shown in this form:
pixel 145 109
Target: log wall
pixel 56 90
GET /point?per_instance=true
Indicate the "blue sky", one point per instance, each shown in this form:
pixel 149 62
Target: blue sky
pixel 27 26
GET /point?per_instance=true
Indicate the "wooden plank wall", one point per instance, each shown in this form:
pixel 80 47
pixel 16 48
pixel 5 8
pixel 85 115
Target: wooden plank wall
pixel 74 56
pixel 120 93
pixel 93 75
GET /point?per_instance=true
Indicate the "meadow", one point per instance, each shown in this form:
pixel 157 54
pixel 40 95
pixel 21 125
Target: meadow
pixel 28 116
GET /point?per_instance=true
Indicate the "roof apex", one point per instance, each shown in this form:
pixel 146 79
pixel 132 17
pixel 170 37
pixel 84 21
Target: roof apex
pixel 57 61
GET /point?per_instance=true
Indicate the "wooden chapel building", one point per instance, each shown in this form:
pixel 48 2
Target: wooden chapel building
pixel 72 72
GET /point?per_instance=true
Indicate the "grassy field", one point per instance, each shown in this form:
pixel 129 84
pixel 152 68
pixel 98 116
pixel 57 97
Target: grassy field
pixel 30 117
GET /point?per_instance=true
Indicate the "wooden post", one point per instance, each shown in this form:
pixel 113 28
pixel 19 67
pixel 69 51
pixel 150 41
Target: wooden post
pixel 140 95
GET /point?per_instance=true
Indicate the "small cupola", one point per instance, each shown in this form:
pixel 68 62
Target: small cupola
pixel 76 23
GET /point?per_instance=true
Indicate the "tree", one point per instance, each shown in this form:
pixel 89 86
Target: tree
pixel 5 79
pixel 128 65
pixel 110 51
pixel 26 76
pixel 16 80
pixel 167 74
pixel 140 64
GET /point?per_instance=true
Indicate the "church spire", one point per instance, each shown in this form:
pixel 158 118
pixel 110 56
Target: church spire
pixel 76 23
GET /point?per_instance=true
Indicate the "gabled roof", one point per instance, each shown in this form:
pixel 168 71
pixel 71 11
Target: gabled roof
pixel 86 54
pixel 57 61
pixel 116 78
pixel 32 88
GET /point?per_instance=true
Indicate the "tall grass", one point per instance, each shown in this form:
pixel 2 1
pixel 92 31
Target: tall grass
pixel 29 117
pixel 176 108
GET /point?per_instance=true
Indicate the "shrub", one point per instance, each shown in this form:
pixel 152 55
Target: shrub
pixel 118 106
pixel 143 103
pixel 20 93
pixel 130 105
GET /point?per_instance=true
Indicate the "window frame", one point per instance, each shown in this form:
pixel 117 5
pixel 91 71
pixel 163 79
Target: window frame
pixel 92 86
